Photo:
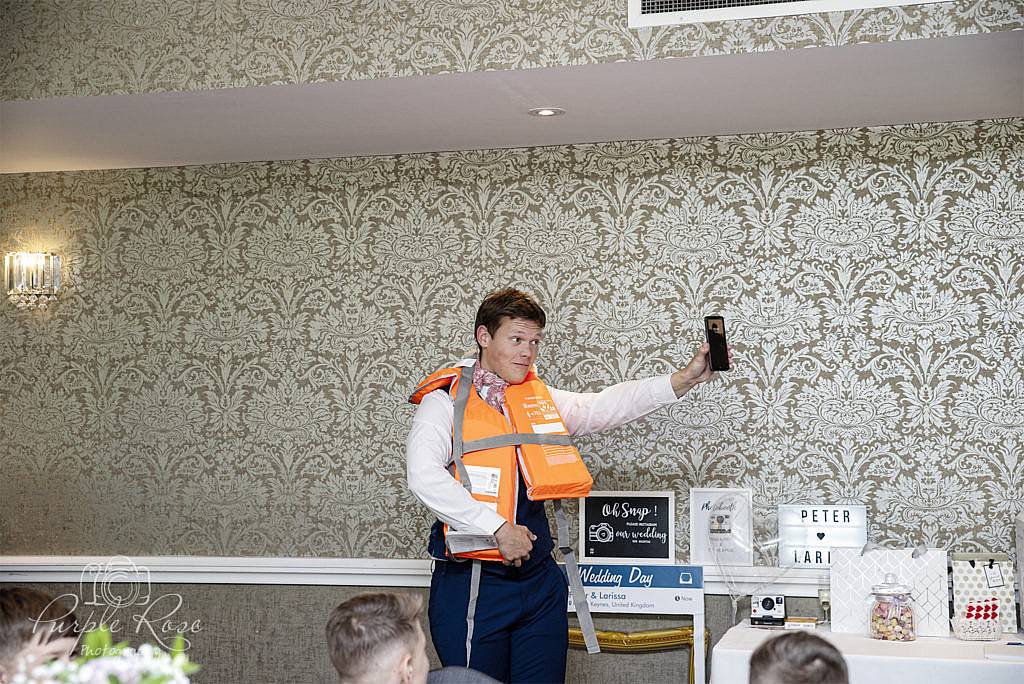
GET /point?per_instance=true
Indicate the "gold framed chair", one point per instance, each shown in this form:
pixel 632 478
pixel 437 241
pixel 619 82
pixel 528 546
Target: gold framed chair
pixel 646 641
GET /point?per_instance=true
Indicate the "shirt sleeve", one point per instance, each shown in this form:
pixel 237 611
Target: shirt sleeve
pixel 587 412
pixel 428 451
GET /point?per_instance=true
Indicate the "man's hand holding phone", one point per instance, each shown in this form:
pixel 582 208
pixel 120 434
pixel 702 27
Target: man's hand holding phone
pixel 713 355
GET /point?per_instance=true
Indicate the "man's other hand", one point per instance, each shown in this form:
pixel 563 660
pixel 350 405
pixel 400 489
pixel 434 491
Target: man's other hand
pixel 514 543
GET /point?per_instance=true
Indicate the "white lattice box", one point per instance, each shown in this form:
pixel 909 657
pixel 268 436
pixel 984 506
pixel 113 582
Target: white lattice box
pixel 852 576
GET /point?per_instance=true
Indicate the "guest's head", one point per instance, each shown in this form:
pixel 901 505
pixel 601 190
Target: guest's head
pixel 797 658
pixel 509 328
pixel 377 638
pixel 32 621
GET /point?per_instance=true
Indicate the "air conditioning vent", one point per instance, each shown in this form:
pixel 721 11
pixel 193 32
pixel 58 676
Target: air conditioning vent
pixel 665 12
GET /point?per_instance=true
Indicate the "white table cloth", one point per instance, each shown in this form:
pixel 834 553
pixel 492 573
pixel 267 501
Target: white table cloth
pixel 929 660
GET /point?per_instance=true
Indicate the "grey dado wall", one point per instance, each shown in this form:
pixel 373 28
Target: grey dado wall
pixel 275 634
pixel 109 47
pixel 227 371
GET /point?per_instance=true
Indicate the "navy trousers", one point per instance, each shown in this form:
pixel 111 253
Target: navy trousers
pixel 520 632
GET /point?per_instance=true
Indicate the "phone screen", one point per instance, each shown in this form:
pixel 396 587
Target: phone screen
pixel 714 328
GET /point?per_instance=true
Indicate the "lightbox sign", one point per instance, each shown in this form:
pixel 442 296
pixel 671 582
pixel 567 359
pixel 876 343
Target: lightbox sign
pixel 808 533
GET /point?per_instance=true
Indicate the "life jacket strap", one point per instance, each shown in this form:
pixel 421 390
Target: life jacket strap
pixel 461 400
pixel 458 446
pixel 515 439
pixel 572 572
pixel 474 594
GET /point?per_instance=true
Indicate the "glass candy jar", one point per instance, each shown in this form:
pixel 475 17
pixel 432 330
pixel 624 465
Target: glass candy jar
pixel 891 617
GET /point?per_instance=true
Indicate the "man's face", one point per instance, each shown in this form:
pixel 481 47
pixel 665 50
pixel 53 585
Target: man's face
pixel 512 349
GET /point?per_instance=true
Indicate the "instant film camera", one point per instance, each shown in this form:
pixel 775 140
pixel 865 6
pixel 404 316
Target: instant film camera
pixel 767 610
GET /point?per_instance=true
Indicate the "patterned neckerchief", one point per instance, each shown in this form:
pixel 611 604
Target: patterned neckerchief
pixel 489 386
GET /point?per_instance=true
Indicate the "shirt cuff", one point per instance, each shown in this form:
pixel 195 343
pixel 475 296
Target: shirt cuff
pixel 662 392
pixel 492 522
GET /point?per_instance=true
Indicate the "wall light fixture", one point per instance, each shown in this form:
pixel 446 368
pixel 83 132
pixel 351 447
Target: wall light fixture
pixel 32 279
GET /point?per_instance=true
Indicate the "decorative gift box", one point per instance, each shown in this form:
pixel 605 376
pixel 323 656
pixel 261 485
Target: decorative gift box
pixel 854 572
pixel 978 576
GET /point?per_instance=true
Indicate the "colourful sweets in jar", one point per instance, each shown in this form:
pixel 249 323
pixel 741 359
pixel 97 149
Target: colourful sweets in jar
pixel 891 617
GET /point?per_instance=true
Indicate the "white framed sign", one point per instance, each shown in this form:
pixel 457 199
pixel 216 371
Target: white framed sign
pixel 721 527
pixel 651 590
pixel 628 527
pixel 809 532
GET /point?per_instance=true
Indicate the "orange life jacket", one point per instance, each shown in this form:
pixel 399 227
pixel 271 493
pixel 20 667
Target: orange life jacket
pixel 484 445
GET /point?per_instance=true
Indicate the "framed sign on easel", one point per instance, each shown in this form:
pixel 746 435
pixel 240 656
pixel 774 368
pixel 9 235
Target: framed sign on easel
pixel 628 527
pixel 721 526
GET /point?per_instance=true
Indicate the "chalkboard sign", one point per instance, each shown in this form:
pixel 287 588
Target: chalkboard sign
pixel 632 527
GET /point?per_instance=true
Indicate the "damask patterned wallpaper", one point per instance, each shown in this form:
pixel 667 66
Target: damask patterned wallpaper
pixel 227 373
pixel 55 48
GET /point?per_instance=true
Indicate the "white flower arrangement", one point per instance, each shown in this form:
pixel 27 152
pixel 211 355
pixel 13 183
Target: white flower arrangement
pixel 104 662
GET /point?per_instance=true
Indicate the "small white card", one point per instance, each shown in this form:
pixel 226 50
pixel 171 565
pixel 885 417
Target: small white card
pixel 464 542
pixel 485 481
pixel 993 575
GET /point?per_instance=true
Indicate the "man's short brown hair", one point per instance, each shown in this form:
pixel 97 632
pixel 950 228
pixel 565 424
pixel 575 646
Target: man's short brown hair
pixel 367 624
pixel 20 609
pixel 511 303
pixel 797 658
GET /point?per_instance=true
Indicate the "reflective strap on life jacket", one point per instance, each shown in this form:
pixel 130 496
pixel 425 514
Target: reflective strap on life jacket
pixel 474 593
pixel 461 400
pixel 515 439
pixel 572 573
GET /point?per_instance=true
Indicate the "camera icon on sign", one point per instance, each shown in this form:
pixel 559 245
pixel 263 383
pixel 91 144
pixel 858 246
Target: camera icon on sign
pixel 601 532
pixel 118 584
pixel 721 523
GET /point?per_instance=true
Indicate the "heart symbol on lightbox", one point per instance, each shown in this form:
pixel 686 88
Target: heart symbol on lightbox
pixel 821 535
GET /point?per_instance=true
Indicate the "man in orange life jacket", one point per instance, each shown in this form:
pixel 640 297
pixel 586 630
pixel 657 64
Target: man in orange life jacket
pixel 506 618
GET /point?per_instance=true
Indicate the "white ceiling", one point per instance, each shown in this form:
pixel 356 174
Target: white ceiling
pixel 942 79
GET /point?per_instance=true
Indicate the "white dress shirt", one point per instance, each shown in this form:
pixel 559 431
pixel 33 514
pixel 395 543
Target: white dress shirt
pixel 429 445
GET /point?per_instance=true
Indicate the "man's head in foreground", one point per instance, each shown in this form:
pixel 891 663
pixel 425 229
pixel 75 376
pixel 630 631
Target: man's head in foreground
pixel 797 658
pixel 377 638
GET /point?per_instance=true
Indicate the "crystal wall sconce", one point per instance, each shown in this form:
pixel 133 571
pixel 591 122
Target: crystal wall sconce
pixel 32 279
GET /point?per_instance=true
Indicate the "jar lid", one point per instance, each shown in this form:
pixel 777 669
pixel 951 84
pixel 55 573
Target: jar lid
pixel 890 587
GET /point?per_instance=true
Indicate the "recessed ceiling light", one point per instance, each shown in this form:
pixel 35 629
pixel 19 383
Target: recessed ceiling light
pixel 547 111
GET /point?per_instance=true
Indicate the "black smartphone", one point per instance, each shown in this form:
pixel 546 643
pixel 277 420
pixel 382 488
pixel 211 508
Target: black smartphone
pixel 714 329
